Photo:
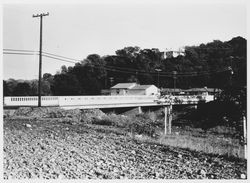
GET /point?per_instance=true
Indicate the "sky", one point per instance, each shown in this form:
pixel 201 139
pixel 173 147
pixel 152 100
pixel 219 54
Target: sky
pixel 76 30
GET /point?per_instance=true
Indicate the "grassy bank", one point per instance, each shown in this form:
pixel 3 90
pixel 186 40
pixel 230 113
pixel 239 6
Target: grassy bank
pixel 208 142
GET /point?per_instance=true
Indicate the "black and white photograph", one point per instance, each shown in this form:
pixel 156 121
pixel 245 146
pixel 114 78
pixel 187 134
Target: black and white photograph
pixel 131 90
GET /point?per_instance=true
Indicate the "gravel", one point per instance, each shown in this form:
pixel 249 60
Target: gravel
pixel 49 149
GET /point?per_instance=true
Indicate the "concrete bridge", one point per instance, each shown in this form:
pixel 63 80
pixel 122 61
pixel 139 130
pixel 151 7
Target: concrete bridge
pixel 88 102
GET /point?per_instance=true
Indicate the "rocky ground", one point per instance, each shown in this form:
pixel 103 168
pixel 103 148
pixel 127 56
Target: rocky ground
pixel 52 148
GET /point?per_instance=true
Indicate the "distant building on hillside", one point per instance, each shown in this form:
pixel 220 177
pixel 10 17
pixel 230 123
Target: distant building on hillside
pixel 172 54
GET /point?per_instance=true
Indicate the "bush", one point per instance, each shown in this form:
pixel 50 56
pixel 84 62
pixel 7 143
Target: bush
pixel 112 119
pixel 139 124
pixel 142 124
pixel 98 121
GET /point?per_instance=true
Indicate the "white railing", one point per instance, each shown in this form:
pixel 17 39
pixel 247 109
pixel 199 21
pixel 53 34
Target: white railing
pixel 31 101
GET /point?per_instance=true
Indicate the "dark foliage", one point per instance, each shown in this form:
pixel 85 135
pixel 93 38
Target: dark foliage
pixel 66 84
pixel 6 89
pixel 22 89
pixel 227 110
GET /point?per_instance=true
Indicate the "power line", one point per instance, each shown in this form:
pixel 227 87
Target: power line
pixel 20 50
pixel 61 56
pixel 59 59
pixel 11 53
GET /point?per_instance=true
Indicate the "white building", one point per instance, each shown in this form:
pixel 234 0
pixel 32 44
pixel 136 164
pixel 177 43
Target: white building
pixel 144 90
pixel 134 89
pixel 121 88
pixel 172 53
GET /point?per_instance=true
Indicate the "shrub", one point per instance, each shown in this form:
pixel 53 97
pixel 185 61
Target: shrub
pixel 142 124
pixel 98 121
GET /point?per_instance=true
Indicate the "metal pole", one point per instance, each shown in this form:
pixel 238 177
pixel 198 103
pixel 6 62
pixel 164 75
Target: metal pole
pixel 158 70
pixel 136 73
pixel 170 120
pixel 165 120
pixel 40 56
pixel 174 85
pixel 158 79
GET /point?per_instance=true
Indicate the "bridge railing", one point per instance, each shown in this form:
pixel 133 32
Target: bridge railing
pixel 31 101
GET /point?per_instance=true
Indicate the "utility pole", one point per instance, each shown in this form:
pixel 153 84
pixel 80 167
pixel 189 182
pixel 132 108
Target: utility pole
pixel 136 75
pixel 158 70
pixel 40 55
pixel 174 77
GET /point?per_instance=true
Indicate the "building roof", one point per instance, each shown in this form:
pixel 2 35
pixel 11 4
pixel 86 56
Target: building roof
pixel 141 87
pixel 171 90
pixel 123 86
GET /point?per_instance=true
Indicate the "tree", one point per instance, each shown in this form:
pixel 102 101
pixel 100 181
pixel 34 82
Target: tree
pixel 46 76
pixel 11 83
pixel 66 84
pixel 6 90
pixel 64 69
pixel 22 89
pixel 34 87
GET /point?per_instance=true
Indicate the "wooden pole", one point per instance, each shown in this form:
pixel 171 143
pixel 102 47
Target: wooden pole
pixel 245 136
pixel 40 56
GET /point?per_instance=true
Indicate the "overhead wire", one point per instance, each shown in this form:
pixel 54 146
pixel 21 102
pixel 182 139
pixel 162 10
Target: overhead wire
pixel 60 56
pixel 59 59
pixel 115 68
pixel 20 50
pixel 12 53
